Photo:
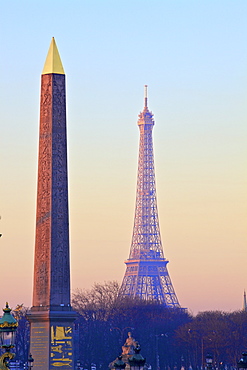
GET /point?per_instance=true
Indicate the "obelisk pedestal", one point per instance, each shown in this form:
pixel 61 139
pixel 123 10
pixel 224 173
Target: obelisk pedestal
pixel 51 315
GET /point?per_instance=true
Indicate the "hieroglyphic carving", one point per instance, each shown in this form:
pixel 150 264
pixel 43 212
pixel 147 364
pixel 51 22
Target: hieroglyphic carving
pixel 61 347
pixel 60 277
pixel 43 215
pixel 51 271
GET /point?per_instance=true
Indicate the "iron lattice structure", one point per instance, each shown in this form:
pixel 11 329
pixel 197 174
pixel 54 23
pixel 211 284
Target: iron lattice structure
pixel 146 273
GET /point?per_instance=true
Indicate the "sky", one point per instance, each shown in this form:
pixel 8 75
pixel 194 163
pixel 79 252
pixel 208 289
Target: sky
pixel 193 57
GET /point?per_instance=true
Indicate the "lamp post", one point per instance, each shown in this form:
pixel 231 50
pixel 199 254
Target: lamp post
pixel 182 363
pixel 137 361
pixel 209 361
pixel 8 326
pixel 242 363
pixel 157 337
pixel 30 361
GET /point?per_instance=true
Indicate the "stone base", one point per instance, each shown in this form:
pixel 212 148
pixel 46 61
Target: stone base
pixel 51 342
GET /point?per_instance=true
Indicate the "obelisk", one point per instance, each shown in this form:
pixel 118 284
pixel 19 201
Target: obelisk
pixel 51 315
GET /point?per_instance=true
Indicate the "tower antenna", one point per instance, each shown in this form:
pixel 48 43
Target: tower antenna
pixel 145 96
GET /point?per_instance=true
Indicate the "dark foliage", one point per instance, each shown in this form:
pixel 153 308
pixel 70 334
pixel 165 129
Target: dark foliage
pixel 105 321
pixel 169 337
pixel 224 335
pixel 22 334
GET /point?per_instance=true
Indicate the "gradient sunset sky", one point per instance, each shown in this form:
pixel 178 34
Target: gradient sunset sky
pixel 193 57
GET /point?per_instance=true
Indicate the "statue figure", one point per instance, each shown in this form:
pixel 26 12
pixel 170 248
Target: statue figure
pixel 129 345
pixel 130 350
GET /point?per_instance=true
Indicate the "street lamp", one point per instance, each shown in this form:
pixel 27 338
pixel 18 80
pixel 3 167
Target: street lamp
pixel 30 361
pixel 137 361
pixel 242 363
pixel 157 336
pixel 8 326
pixel 209 361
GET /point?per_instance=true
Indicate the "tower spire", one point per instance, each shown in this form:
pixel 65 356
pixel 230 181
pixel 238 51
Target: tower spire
pixel 146 273
pixel 53 63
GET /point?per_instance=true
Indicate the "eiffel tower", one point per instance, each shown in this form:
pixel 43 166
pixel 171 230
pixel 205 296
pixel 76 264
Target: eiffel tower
pixel 146 273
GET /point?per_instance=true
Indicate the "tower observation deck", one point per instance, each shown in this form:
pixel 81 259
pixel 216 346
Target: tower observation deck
pixel 146 273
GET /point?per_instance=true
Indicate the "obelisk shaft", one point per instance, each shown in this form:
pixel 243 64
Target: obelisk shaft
pixel 51 272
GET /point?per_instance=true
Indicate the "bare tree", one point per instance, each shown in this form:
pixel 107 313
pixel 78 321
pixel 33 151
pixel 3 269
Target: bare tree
pixel 98 302
pixel 22 342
